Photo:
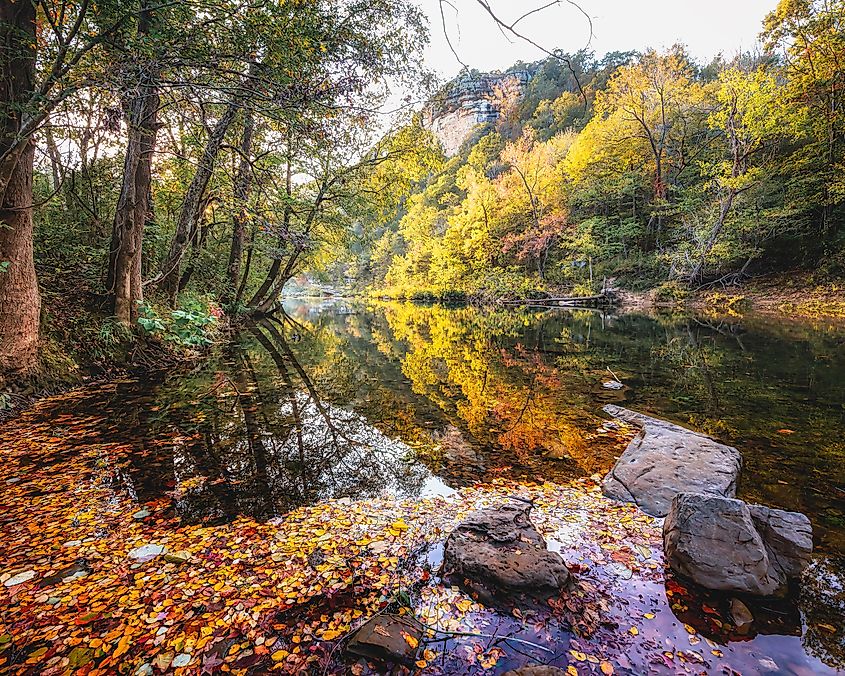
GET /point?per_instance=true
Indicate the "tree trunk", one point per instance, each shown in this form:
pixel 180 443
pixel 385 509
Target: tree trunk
pixel 134 203
pixel 168 278
pixel 239 211
pixel 20 302
pixel 724 210
pixel 272 274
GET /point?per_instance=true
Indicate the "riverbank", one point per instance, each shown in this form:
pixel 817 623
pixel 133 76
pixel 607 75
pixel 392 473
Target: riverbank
pixel 794 296
pixel 85 345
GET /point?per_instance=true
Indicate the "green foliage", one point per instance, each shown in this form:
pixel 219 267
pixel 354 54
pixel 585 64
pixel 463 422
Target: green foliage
pixel 191 326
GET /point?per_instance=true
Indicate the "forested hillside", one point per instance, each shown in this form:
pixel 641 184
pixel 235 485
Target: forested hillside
pixel 648 168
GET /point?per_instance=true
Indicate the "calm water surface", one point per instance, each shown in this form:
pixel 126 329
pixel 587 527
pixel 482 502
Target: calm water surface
pixel 353 400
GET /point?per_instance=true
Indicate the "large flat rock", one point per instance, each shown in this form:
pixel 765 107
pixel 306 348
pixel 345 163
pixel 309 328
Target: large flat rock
pixel 665 459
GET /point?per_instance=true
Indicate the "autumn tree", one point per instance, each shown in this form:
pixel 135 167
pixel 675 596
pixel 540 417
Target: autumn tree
pixel 810 37
pixel 663 106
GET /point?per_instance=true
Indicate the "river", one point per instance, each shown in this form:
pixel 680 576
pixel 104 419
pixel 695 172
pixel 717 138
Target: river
pixel 349 400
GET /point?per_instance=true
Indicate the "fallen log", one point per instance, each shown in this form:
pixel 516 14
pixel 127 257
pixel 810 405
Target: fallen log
pixel 561 301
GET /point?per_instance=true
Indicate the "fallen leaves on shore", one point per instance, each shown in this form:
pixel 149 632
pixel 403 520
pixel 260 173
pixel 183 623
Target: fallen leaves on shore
pixel 95 583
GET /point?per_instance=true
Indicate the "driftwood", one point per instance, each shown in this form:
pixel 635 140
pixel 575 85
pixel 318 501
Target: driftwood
pixel 565 301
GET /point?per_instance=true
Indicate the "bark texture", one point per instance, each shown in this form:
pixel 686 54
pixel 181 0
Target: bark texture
pixel 168 279
pixel 239 212
pixel 20 302
pixel 135 203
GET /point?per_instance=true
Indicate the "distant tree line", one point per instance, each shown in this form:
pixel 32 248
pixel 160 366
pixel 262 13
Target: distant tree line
pixel 650 168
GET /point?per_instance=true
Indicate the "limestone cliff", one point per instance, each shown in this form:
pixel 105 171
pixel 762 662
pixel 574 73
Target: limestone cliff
pixel 469 100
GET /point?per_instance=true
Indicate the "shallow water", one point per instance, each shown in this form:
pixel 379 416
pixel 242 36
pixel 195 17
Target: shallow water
pixel 347 400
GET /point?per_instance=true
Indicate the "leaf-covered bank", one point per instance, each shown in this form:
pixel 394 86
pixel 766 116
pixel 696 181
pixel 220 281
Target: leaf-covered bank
pixel 95 582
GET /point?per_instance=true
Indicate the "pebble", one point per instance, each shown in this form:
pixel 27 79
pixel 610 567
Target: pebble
pixel 146 552
pixel 741 616
pixel 141 514
pixel 20 578
pixel 177 557
pixel 181 660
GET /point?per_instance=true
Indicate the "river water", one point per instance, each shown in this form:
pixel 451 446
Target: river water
pixel 349 400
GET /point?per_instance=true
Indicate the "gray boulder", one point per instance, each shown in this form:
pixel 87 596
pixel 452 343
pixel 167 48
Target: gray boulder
pixel 725 544
pixel 788 537
pixel 497 553
pixel 665 459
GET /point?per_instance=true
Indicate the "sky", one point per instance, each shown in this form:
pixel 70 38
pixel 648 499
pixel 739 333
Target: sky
pixel 706 27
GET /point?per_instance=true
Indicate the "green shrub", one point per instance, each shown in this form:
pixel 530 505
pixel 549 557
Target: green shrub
pixel 671 292
pixel 189 327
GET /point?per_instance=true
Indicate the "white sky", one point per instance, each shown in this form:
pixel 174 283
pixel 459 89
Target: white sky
pixel 707 28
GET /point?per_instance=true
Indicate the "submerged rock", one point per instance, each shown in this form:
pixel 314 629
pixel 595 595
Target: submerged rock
pixel 79 569
pixel 725 544
pixel 497 553
pixel 822 599
pixel 665 459
pixel 387 638
pixel 741 616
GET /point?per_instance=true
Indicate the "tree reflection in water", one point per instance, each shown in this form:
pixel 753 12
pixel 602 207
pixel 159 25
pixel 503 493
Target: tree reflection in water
pixel 262 444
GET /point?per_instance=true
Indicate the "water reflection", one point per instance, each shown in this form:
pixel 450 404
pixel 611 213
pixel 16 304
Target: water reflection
pixel 262 440
pixel 351 401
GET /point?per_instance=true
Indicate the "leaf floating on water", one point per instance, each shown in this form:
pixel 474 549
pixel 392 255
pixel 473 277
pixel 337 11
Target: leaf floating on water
pixel 410 640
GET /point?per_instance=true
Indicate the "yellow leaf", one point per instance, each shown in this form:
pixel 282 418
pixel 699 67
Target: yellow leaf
pixel 649 616
pixel 279 655
pixel 422 664
pixel 606 668
pixel 410 640
pixel 122 645
pixel 634 631
pixel 571 671
pixel 330 635
pixel 579 656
